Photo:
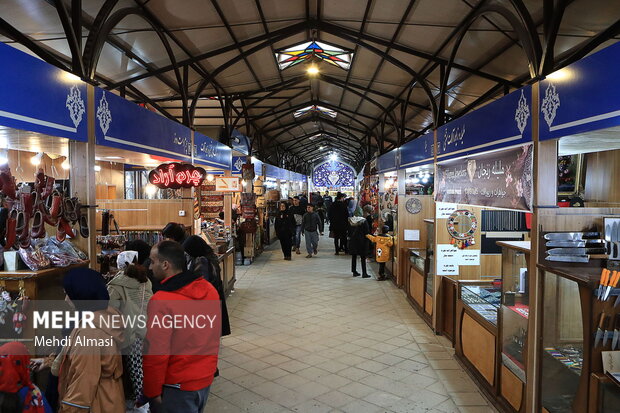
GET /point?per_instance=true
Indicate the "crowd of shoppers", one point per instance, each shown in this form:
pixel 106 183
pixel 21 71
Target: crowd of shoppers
pixel 128 374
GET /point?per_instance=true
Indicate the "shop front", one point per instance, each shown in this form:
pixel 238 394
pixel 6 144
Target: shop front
pixel 385 208
pixel 46 213
pixel 416 212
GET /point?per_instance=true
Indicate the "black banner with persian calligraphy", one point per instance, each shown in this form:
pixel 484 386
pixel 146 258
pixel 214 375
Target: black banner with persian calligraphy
pixel 500 179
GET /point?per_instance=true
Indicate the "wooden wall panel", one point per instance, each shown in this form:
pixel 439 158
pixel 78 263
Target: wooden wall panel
pixel 110 181
pixel 479 347
pixel 147 213
pixel 601 170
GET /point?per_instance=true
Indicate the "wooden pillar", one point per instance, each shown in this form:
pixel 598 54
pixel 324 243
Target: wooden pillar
pixel 227 204
pixel 544 197
pixel 82 161
pixel 437 283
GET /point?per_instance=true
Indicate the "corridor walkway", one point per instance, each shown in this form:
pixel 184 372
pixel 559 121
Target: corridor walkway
pixel 308 337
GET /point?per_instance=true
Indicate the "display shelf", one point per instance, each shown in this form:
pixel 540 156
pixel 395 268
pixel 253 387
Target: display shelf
pixel 483 300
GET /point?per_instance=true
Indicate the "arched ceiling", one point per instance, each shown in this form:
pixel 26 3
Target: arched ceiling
pixel 210 63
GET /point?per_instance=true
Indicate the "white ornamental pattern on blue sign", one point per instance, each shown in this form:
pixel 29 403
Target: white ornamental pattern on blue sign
pixel 333 174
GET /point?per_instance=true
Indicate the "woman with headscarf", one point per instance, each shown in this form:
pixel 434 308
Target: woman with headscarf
pixel 17 392
pixel 202 259
pixel 90 376
pixel 130 291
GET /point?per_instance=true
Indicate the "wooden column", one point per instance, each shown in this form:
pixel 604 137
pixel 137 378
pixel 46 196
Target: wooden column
pixel 82 160
pixel 544 197
pixel 437 283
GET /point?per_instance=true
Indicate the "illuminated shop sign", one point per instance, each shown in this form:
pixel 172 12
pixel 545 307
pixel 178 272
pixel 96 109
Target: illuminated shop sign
pixel 177 175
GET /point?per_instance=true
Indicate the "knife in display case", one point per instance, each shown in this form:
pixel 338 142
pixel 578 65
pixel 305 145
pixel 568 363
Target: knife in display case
pixel 600 330
pixel 571 236
pixel 605 276
pixel 591 243
pixel 613 283
pixel 614 342
pixel 568 258
pixel 575 251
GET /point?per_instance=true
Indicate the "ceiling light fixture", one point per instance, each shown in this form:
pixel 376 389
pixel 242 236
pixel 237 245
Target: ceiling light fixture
pixel 313 70
pixel 36 159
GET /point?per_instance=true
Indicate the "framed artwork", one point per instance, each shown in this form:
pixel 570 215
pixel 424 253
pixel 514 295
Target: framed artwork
pixel 569 174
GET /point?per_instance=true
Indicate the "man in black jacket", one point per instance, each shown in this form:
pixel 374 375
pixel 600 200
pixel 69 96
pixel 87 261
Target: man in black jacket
pixel 338 218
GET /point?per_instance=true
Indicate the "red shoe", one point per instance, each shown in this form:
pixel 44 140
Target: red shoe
pixel 38 226
pixel 49 187
pixel 56 206
pixel 66 227
pixel 39 181
pixel 60 232
pixel 11 225
pixel 47 218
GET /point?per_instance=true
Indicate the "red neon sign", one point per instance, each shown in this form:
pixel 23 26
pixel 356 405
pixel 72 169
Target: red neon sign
pixel 177 175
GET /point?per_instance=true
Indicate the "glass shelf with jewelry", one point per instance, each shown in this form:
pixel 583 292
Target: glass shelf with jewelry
pixel 484 300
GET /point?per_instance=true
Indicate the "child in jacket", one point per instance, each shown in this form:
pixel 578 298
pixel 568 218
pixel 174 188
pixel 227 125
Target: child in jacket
pixel 383 249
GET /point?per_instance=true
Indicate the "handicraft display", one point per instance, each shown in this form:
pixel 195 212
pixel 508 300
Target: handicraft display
pixel 462 225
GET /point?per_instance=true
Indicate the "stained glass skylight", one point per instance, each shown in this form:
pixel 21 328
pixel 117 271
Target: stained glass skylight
pixel 304 52
pixel 315 108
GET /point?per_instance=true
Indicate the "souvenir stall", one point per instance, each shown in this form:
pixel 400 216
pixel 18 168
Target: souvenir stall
pixel 140 159
pixel 214 197
pixel 386 212
pixel 483 190
pixel 45 211
pixel 416 212
pixel 577 252
pixel 252 201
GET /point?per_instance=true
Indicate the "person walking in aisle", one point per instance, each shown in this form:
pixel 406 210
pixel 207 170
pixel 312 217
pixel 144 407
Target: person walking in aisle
pixel 358 244
pixel 327 201
pixel 383 249
pixel 311 223
pixel 297 212
pixel 338 216
pixel 320 209
pixel 285 230
pixel 130 291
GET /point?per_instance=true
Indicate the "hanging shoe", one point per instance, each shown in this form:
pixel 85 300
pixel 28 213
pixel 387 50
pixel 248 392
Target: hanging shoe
pixel 61 235
pixel 84 232
pixel 66 227
pixel 49 187
pixel 11 229
pixel 39 181
pixel 38 225
pixel 8 184
pixel 56 205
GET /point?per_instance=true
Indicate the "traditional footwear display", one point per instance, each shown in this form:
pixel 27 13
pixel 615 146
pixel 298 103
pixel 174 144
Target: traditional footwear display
pixel 84 232
pixel 61 235
pixel 56 205
pixel 8 184
pixel 49 187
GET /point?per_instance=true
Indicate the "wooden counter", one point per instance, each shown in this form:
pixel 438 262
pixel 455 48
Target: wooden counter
pixel 39 285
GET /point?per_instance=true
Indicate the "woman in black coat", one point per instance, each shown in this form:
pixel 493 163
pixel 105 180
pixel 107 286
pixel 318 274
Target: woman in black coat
pixel 285 229
pixel 338 224
pixel 202 259
pixel 358 244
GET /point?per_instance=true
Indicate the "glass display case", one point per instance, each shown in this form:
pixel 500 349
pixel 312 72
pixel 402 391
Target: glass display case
pixel 483 299
pixel 430 246
pixel 515 306
pixel 562 343
pixel 418 259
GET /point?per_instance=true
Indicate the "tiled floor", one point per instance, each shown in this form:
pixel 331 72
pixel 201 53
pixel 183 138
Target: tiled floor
pixel 308 337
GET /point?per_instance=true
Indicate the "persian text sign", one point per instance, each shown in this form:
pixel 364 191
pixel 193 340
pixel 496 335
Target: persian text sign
pixel 227 184
pixel 177 175
pixel 500 179
pixel 503 123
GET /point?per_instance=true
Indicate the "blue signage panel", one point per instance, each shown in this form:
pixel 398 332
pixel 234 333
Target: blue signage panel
pixel 500 124
pixel 240 142
pixel 211 152
pixel 581 97
pixel 237 164
pixel 258 167
pixel 39 97
pixel 418 151
pixel 387 162
pixel 122 124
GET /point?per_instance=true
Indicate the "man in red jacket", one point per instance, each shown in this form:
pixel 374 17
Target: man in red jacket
pixel 182 337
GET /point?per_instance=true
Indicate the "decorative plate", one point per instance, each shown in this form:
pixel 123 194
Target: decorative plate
pixel 462 224
pixel 413 205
